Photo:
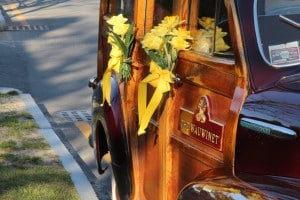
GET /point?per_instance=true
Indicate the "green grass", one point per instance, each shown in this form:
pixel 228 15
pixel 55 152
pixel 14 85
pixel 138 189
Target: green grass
pixel 41 182
pixel 17 121
pixel 20 160
pixel 9 144
pixel 36 143
pixel 23 174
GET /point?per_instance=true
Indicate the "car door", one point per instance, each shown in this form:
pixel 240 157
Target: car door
pixel 194 128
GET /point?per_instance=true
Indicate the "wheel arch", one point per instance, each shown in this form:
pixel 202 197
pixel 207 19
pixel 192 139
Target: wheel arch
pixel 101 147
pixel 109 135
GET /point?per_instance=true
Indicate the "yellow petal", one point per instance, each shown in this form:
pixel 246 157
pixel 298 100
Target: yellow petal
pixel 170 22
pixel 180 43
pixel 183 33
pixel 117 20
pixel 152 42
pixel 115 52
pixel 121 29
pixel 160 31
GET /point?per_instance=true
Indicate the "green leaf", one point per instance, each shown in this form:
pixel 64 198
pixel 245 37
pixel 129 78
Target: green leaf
pixel 129 35
pixel 119 43
pixel 157 58
pixel 125 71
pixel 131 46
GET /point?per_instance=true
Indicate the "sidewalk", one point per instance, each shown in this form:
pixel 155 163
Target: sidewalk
pixel 83 186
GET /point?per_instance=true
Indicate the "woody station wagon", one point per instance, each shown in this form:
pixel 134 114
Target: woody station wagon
pixel 199 99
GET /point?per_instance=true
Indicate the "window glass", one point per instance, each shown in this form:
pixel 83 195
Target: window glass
pixel 162 8
pixel 206 19
pixel 211 34
pixel 116 7
pixel 277 25
pixel 126 8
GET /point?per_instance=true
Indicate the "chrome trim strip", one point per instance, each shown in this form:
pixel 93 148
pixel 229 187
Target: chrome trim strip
pixel 268 128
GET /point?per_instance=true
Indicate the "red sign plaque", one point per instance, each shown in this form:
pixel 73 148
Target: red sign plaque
pixel 201 126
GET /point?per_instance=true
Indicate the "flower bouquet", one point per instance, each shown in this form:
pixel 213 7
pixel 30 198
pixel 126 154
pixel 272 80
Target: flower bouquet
pixel 121 39
pixel 162 44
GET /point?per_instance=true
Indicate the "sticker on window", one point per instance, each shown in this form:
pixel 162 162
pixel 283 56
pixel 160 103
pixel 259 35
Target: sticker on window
pixel 285 53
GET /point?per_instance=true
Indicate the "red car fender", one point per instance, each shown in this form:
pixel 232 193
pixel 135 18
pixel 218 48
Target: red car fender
pixel 110 135
pixel 219 184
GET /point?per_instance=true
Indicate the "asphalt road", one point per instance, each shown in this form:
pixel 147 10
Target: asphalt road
pixel 49 50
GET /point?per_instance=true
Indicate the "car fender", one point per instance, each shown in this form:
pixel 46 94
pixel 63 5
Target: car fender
pixel 218 184
pixel 109 135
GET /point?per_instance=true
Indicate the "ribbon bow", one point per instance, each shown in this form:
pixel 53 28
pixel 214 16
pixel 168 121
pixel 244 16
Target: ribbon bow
pixel 160 79
pixel 113 64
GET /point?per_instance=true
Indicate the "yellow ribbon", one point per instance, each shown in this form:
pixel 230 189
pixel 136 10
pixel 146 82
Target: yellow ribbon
pixel 113 64
pixel 160 79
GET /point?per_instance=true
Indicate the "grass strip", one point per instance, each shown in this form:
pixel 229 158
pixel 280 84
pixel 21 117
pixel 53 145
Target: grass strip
pixel 39 182
pixel 17 121
pixel 28 170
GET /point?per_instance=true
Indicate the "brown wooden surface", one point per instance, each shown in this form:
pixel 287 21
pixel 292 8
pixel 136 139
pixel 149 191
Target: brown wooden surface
pixel 101 46
pixel 194 15
pixel 137 144
pixel 180 157
pixel 164 160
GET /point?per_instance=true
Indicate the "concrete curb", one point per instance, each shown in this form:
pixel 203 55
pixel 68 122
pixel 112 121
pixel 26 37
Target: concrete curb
pixel 83 186
pixel 2 21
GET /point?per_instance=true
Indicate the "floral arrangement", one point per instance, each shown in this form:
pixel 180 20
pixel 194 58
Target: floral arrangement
pixel 121 39
pixel 203 38
pixel 162 44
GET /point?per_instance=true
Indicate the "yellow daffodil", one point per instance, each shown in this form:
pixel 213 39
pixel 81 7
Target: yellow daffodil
pixel 152 42
pixel 117 20
pixel 162 45
pixel 207 22
pixel 183 33
pixel 121 39
pixel 180 43
pixel 120 29
pixel 160 31
pixel 204 38
pixel 170 22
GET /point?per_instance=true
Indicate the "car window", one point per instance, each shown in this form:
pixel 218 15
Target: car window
pixel 212 33
pixel 162 9
pixel 277 24
pixel 126 7
pixel 210 27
